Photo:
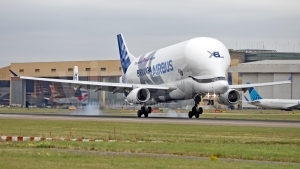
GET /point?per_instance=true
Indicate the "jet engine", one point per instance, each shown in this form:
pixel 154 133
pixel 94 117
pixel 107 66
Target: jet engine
pixel 138 95
pixel 231 97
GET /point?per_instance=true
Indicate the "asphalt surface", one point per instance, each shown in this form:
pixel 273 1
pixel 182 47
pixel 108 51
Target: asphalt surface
pixel 168 120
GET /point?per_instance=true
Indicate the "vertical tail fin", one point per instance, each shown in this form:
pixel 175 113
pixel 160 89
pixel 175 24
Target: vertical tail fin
pixel 75 76
pixel 13 73
pixel 246 98
pixel 125 57
pixel 290 78
pixel 254 94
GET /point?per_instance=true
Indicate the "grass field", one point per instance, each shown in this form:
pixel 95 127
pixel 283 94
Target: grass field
pixel 44 158
pixel 224 142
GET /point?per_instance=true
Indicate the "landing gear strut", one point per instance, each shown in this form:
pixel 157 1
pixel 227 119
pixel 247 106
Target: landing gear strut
pixel 196 112
pixel 144 111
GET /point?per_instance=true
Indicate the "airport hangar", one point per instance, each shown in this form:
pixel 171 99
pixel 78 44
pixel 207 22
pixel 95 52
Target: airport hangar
pixel 19 91
pixel 241 71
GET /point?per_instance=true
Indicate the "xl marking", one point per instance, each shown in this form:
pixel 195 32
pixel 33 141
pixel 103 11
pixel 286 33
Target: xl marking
pixel 215 54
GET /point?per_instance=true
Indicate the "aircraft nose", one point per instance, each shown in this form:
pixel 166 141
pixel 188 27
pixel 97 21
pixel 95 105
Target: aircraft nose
pixel 221 87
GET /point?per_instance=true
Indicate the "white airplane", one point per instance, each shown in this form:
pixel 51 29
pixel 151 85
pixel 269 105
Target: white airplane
pixel 282 104
pixel 58 98
pixel 186 70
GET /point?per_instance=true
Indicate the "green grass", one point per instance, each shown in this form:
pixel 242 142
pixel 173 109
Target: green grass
pixel 46 158
pixel 252 143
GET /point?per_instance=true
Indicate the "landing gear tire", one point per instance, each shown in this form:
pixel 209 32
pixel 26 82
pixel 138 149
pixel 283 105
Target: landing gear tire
pixel 208 103
pixel 190 114
pixel 212 102
pixel 149 110
pixel 146 114
pixel 200 110
pixel 196 112
pixel 144 111
pixel 139 113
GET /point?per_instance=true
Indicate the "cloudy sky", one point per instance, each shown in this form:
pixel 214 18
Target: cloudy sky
pixel 62 30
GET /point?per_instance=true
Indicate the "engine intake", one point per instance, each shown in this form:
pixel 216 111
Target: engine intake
pixel 231 97
pixel 138 95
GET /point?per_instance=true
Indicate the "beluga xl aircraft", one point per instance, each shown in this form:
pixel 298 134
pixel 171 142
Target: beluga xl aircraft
pixel 188 70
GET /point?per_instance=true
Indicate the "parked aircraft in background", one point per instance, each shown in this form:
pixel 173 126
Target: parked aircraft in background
pixel 282 104
pixel 187 70
pixel 56 97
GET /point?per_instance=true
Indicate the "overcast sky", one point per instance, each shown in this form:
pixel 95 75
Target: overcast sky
pixel 62 30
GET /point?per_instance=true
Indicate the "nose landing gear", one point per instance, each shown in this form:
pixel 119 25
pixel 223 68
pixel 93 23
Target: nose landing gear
pixel 195 110
pixel 211 102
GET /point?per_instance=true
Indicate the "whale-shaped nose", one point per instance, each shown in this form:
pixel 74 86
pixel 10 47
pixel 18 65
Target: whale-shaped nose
pixel 220 87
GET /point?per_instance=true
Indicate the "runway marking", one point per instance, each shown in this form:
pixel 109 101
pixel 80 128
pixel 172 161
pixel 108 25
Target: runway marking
pixel 229 122
pixel 27 138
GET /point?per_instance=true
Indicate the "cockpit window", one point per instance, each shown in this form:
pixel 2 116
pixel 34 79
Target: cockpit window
pixel 208 80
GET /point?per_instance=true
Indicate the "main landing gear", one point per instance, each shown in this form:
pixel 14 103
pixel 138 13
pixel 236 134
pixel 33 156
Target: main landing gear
pixel 144 111
pixel 195 111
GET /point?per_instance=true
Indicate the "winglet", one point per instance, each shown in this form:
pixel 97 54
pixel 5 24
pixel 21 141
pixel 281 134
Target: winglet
pixel 13 73
pixel 290 78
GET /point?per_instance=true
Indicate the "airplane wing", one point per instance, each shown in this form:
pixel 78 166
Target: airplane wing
pixel 246 86
pixel 105 86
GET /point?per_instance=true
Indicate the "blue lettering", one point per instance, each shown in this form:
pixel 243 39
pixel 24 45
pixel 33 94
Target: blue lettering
pixel 216 54
pixel 144 71
pixel 167 67
pixel 163 67
pixel 170 65
pixel 153 71
pixel 159 68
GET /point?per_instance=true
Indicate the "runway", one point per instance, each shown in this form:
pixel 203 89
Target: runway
pixel 170 120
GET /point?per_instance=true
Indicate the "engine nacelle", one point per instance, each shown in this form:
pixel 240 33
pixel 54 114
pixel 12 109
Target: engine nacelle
pixel 138 95
pixel 231 97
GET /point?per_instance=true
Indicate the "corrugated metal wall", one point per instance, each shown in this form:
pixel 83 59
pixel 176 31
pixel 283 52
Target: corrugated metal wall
pixel 16 97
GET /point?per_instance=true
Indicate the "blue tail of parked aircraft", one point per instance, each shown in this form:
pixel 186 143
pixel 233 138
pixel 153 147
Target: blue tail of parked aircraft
pixel 253 94
pixel 125 57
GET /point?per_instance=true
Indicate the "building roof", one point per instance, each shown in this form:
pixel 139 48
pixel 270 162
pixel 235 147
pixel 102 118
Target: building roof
pixel 254 51
pixel 273 62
